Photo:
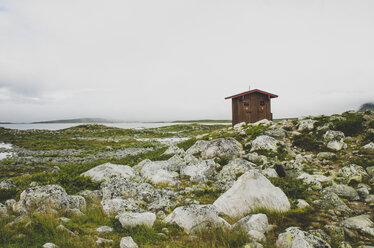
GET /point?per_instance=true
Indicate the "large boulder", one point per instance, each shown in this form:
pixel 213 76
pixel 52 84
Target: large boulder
pixel 107 170
pixel 44 198
pixel 194 217
pixel 136 219
pixel 332 201
pixel 251 191
pixel 361 224
pixel 199 171
pixel 295 238
pixel 353 172
pixel 223 147
pixel 314 180
pixel 264 142
pixel 344 191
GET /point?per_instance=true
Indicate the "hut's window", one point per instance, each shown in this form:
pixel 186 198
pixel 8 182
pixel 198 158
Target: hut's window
pixel 262 103
pixel 246 103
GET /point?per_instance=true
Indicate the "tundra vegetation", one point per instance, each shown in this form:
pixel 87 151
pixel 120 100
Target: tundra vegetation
pixel 191 185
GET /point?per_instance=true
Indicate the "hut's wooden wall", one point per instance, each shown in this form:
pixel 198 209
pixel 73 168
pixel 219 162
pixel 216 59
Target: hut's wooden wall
pixel 249 109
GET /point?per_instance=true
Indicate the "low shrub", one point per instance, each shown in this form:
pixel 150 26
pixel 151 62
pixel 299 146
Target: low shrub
pixel 307 142
pixel 351 126
pixel 6 194
pixel 293 188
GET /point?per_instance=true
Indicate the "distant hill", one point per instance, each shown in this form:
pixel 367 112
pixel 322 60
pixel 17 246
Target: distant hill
pixel 203 121
pixel 366 106
pixel 81 120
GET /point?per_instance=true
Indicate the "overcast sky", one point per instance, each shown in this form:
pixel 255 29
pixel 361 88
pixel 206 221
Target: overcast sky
pixel 168 60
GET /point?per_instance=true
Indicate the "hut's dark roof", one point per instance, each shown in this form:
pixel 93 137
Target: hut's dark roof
pixel 250 92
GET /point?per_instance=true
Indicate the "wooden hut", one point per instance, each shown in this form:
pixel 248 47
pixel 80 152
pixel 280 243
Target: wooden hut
pixel 251 106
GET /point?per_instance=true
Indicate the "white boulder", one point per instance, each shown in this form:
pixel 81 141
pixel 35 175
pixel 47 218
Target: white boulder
pixel 252 190
pixel 361 223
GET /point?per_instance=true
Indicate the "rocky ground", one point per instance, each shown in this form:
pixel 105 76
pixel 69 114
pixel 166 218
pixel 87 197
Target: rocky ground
pixel 291 183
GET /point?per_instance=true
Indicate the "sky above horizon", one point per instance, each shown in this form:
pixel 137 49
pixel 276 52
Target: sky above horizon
pixel 166 60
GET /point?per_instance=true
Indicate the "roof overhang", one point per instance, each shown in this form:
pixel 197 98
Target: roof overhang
pixel 251 92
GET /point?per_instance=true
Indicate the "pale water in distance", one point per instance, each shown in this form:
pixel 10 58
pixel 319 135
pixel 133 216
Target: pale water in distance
pixel 125 125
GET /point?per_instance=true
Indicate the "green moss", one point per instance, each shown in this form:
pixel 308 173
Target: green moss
pixel 187 143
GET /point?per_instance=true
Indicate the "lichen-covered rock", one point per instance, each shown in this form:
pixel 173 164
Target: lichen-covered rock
pixel 7 184
pixel 223 147
pixel 361 223
pixel 343 191
pixel 295 238
pixel 44 198
pixel 199 171
pixel 197 148
pixel 333 135
pixel 255 225
pixel 194 217
pixel 269 173
pixel 353 172
pixel 173 149
pixel 116 206
pixel 326 155
pixel 162 203
pixel 255 158
pixel 162 171
pixel 121 188
pixel 336 145
pixel 251 191
pixel 334 140
pixel 230 172
pixel 314 180
pixel 368 147
pixel 307 124
pixel 264 142
pixel 136 219
pixel 292 168
pixel 107 170
pixel 127 242
pixel 333 202
pixel 276 133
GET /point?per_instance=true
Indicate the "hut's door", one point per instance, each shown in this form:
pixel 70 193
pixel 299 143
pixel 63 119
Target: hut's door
pixel 261 112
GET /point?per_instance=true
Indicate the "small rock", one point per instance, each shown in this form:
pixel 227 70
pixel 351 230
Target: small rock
pixel 102 241
pixel 264 142
pixel 104 229
pixel 302 204
pixel 49 245
pixel 7 184
pixel 127 242
pixel 107 170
